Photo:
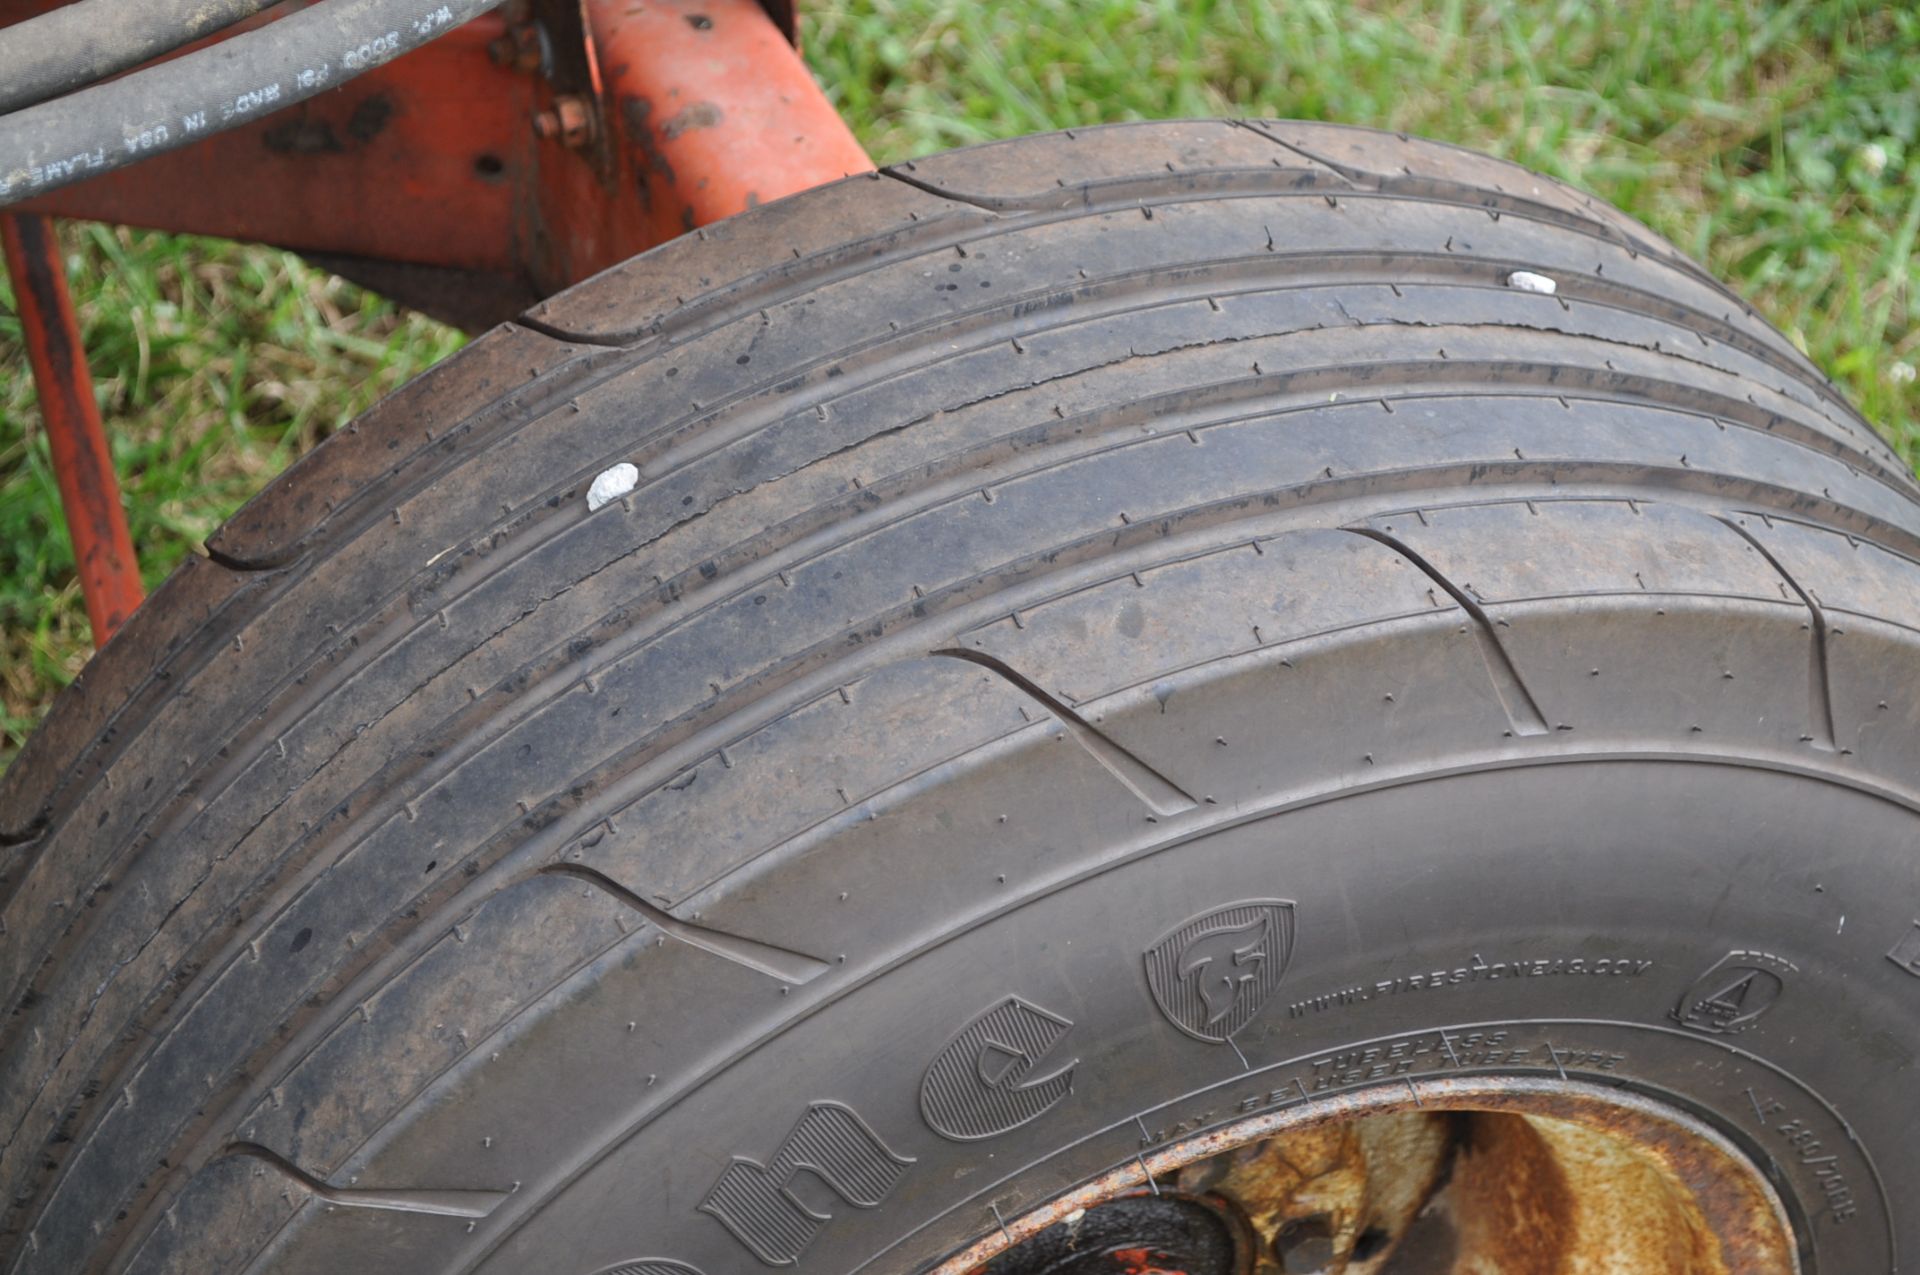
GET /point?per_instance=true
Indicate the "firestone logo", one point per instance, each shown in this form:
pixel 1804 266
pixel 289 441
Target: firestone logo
pixel 1211 974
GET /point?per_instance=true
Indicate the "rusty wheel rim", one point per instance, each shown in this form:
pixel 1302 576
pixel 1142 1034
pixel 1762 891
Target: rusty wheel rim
pixel 1470 1176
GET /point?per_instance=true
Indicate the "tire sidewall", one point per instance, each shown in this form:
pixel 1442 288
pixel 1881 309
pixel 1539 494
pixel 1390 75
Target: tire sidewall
pixel 1532 921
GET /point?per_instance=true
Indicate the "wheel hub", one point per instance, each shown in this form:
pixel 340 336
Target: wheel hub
pixel 1488 1176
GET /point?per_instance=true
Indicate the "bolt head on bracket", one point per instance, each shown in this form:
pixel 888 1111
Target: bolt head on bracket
pixel 569 119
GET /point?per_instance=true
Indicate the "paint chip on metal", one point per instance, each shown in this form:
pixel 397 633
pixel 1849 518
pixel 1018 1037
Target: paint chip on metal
pixel 612 484
pixel 1528 281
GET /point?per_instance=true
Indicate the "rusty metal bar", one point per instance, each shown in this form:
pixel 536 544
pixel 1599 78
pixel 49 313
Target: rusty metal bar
pixel 711 111
pixel 89 493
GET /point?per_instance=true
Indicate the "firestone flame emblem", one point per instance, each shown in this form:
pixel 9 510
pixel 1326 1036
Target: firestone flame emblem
pixel 1211 974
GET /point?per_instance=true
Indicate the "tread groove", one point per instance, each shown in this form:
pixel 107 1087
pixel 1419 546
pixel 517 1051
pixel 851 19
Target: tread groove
pixel 774 962
pixel 436 1202
pixel 1819 677
pixel 1523 713
pixel 1160 794
pixel 893 172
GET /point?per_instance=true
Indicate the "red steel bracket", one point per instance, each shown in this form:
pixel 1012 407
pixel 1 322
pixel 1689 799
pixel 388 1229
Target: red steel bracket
pixel 456 180
pixel 469 179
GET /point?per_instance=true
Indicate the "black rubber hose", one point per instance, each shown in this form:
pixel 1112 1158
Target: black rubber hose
pixel 180 101
pixel 70 47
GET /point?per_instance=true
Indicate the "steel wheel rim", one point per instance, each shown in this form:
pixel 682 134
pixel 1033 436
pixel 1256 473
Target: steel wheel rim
pixel 1659 1180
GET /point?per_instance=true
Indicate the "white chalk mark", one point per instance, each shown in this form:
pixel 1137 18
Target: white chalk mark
pixel 611 484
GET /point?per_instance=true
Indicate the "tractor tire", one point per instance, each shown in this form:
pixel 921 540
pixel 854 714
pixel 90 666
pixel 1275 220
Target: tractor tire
pixel 1028 563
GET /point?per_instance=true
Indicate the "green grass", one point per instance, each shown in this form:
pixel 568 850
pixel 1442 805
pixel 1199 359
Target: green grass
pixel 215 365
pixel 1771 140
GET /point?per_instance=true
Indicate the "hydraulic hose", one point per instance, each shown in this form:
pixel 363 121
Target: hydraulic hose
pixel 182 100
pixel 70 47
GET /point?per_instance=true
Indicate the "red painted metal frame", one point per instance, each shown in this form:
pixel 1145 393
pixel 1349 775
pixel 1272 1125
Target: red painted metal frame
pixel 465 178
pixel 414 161
pixel 89 496
pixel 434 160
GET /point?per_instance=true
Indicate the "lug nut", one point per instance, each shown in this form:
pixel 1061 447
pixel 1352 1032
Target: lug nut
pixel 1305 1245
